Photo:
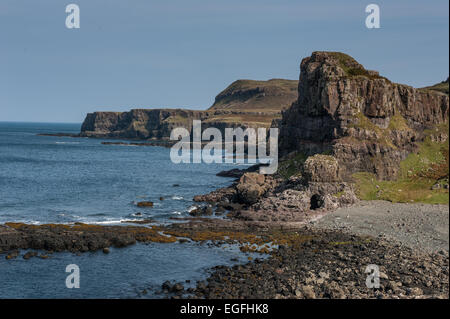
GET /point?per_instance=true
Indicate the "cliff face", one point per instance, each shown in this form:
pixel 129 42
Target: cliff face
pixel 138 123
pixel 367 122
pixel 244 103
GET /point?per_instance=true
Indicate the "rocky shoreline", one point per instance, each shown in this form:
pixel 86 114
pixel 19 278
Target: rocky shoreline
pixel 311 259
pixel 333 265
pixel 318 236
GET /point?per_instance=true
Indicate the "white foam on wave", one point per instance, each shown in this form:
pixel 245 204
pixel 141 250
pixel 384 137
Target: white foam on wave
pixel 67 142
pixel 110 222
pixel 190 209
pixel 33 222
pixel 177 197
pixel 26 221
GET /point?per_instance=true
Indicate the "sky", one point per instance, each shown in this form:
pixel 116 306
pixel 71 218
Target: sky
pixel 182 53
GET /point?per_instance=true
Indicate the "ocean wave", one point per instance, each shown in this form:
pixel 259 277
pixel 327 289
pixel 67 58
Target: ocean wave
pixel 25 221
pixel 110 222
pixel 190 209
pixel 67 142
pixel 137 214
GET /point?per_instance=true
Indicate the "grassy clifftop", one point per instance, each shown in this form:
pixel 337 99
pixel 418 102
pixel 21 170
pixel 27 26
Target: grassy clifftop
pixel 440 87
pixel 257 96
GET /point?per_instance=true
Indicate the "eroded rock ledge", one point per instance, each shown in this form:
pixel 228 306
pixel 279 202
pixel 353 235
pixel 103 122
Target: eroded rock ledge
pixel 75 238
pixel 274 201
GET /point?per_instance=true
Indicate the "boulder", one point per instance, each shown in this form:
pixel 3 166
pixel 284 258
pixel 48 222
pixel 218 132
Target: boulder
pixel 29 255
pixel 251 187
pixel 252 178
pixel 145 204
pixel 201 211
pixel 321 168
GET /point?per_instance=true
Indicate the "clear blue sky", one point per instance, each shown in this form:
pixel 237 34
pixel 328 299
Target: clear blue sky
pixel 182 53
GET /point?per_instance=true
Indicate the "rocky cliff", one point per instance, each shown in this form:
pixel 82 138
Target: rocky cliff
pixel 245 103
pixel 138 123
pixel 365 121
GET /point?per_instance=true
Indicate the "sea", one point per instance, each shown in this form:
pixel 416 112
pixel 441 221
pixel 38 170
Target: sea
pixel 51 179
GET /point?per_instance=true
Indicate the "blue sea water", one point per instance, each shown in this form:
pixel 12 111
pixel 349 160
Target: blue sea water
pixel 45 179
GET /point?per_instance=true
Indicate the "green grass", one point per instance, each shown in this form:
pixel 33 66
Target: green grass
pixel 339 194
pixel 291 166
pixel 398 123
pixel 351 67
pixel 440 87
pixel 400 191
pixel 418 173
pixel 365 123
pixel 250 84
pixel 246 95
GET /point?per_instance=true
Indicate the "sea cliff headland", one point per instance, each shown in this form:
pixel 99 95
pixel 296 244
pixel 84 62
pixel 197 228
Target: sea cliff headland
pixel 348 136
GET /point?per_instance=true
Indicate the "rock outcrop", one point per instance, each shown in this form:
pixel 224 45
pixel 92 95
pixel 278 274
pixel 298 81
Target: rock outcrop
pixel 251 187
pixel 362 119
pixel 138 123
pixel 318 187
pixel 321 168
pixel 244 103
pixel 76 237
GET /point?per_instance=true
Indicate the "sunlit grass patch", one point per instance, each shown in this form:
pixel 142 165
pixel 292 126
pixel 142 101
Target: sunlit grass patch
pixel 418 173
